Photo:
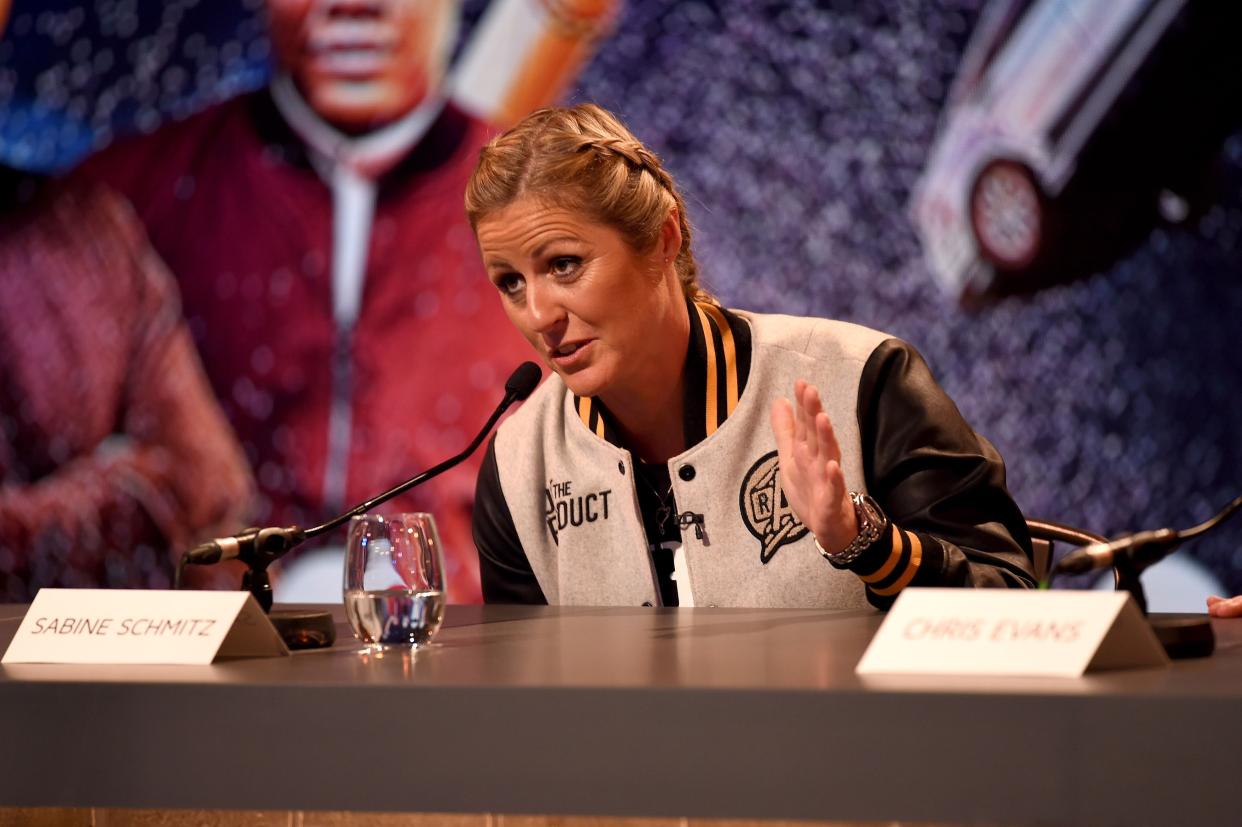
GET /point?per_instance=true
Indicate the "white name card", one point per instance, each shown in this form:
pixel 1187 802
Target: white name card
pixel 142 626
pixel 1008 632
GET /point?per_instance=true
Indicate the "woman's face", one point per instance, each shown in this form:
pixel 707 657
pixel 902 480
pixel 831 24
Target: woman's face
pixel 590 305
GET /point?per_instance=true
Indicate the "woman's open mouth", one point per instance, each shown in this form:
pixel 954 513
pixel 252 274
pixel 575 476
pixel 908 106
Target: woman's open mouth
pixel 571 355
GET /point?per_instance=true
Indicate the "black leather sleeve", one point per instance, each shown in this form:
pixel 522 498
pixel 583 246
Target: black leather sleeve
pixel 941 485
pixel 505 572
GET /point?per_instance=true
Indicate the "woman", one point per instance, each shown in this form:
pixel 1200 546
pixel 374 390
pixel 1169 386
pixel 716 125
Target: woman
pixel 660 464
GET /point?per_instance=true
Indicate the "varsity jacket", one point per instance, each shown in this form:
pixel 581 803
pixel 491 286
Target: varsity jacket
pixel 557 515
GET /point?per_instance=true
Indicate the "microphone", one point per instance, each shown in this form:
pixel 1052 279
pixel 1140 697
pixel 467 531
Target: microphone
pixel 521 383
pixel 1142 549
pixel 690 518
pixel 1128 556
pixel 260 547
pixel 250 546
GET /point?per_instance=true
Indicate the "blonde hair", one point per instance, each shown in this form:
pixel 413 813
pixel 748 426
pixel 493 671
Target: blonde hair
pixel 583 158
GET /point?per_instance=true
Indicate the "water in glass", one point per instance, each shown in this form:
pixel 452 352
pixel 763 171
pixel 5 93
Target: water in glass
pixel 394 617
pixel 394 580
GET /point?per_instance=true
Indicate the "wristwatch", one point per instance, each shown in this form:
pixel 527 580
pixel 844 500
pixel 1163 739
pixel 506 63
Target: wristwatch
pixel 871 526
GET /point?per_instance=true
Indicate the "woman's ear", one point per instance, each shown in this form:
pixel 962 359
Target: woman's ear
pixel 670 235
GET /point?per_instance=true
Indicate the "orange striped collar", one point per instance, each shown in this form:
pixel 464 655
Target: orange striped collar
pixel 717 366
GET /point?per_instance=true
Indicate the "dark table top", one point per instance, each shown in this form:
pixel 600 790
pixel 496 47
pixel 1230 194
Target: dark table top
pixel 628 711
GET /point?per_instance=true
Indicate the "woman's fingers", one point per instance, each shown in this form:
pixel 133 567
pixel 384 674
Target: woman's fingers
pixel 805 425
pixel 810 431
pixel 812 408
pixel 827 437
pixel 799 411
pixel 810 398
pixel 810 462
pixel 793 479
pixel 782 418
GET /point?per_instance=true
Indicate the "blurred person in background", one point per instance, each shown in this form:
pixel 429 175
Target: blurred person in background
pixel 328 273
pixel 114 455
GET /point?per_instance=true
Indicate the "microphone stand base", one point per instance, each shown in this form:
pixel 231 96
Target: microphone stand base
pixel 303 629
pixel 1184 635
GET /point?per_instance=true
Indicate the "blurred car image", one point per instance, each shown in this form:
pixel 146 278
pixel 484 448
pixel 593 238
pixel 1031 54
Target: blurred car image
pixel 1072 128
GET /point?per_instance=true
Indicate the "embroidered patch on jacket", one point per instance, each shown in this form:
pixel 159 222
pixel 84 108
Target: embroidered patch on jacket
pixel 765 510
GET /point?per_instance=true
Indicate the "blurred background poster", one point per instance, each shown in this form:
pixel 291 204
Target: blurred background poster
pixel 1045 197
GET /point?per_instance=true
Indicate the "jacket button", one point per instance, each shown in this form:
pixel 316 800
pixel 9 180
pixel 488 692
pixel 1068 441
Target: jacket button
pixel 686 472
pixel 621 468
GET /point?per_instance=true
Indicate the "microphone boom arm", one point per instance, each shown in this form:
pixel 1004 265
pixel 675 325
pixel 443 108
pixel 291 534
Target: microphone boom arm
pixel 410 483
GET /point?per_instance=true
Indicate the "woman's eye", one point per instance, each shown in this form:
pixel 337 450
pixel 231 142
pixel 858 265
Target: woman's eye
pixel 565 265
pixel 510 284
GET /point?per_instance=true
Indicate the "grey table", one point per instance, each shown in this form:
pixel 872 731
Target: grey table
pixel 640 712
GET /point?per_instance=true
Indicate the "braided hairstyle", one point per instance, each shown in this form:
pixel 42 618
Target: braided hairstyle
pixel 583 158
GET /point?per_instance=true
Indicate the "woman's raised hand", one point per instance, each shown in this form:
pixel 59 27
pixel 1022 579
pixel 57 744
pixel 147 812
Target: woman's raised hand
pixel 810 468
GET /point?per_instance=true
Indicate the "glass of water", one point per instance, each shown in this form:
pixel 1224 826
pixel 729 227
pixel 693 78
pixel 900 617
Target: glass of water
pixel 394 580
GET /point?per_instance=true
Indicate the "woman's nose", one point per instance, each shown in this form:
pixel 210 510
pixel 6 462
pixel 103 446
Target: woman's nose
pixel 546 312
